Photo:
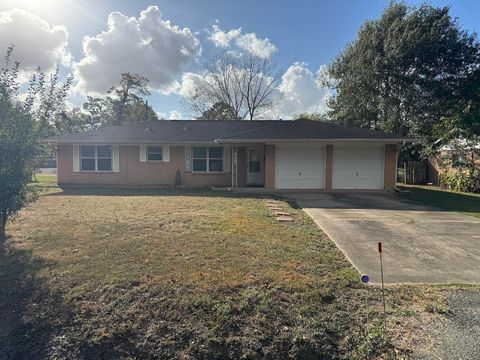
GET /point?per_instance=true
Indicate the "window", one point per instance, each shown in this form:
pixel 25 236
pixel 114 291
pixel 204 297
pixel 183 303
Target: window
pixel 207 159
pixel 154 153
pixel 96 158
pixel 215 159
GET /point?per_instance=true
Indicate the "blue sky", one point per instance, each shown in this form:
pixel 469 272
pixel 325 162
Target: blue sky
pixel 305 34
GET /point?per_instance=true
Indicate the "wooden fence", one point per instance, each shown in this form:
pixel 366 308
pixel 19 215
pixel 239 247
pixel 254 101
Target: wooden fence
pixel 413 172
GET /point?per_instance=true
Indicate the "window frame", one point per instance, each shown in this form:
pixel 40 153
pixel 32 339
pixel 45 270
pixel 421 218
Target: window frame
pixel 95 157
pixel 154 153
pixel 207 160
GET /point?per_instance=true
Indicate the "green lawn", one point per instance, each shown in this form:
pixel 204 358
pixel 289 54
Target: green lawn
pixel 447 200
pixel 110 273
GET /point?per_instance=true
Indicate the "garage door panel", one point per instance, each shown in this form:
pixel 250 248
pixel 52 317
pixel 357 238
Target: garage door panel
pixel 299 167
pixel 358 168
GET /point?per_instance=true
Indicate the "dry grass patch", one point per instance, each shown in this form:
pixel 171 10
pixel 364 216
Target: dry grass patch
pixel 112 273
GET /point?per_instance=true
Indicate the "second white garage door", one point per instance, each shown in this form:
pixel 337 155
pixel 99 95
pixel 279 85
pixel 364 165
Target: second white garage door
pixel 299 167
pixel 358 168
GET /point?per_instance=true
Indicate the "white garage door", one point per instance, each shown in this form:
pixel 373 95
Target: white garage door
pixel 299 167
pixel 358 168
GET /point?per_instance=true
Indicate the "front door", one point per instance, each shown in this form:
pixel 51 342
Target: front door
pixel 255 166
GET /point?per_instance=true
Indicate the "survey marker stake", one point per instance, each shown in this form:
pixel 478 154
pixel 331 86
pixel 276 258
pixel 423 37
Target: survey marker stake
pixel 383 287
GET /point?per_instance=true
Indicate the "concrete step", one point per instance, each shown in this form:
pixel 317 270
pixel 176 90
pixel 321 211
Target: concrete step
pixel 284 219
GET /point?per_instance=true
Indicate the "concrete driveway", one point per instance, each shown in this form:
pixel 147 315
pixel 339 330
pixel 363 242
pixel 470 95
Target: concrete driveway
pixel 420 244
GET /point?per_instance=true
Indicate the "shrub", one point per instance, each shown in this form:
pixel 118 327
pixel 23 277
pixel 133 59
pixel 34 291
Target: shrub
pixel 466 181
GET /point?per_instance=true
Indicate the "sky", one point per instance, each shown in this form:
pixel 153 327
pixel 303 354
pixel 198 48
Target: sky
pixel 170 41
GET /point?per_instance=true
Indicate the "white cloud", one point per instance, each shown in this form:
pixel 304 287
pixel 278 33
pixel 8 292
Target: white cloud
pixel 173 115
pixel 147 45
pixel 260 47
pixel 190 83
pixel 37 43
pixel 300 92
pixel 221 38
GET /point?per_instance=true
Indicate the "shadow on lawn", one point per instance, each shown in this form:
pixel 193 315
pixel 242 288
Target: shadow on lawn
pixel 30 313
pixel 36 322
pixel 445 200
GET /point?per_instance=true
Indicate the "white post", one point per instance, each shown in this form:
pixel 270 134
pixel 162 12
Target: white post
pixel 236 166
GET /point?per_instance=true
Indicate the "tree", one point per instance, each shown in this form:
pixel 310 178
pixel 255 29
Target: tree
pixel 218 111
pixel 98 110
pixel 139 111
pixel 464 121
pixel 121 105
pixel 461 130
pixel 23 126
pixel 404 72
pixel 310 116
pixel 74 121
pixel 258 81
pixel 245 84
pixel 18 151
pixel 131 89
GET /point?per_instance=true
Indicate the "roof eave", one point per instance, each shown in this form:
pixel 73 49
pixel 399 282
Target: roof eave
pixel 240 141
pixel 129 142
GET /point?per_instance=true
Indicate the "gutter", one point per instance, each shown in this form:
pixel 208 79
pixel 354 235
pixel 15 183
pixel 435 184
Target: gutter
pixel 227 141
pixel 250 141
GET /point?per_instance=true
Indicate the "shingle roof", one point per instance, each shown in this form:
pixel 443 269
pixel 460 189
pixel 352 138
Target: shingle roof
pixel 191 131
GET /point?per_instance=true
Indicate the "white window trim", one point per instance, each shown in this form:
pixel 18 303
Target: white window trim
pixel 144 153
pixel 207 158
pixel 96 158
pixel 163 153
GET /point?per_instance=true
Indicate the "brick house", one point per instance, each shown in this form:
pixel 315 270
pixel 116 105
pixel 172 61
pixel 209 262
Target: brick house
pixel 300 154
pixel 453 157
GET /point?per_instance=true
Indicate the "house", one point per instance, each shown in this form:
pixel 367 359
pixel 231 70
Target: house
pixel 455 156
pixel 273 154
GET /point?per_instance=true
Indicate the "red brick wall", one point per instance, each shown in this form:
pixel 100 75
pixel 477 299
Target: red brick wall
pixel 135 172
pixel 270 167
pixel 390 168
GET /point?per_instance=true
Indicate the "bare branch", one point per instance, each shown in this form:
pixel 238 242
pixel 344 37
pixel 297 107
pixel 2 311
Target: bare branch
pixel 245 84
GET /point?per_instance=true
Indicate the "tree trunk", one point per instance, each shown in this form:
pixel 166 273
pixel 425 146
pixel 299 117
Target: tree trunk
pixel 3 224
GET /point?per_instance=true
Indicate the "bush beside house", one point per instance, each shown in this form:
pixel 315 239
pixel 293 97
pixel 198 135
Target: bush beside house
pixel 456 169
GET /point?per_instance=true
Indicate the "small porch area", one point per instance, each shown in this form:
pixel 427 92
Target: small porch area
pixel 253 166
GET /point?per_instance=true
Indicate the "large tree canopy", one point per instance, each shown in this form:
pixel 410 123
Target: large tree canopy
pixel 122 104
pixel 406 72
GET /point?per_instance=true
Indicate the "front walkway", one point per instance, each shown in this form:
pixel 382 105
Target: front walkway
pixel 420 244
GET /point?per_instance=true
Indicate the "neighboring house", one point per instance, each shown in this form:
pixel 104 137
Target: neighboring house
pixel 300 154
pixel 456 156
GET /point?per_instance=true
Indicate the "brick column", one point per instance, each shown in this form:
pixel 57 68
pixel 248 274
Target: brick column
pixel 328 167
pixel 390 175
pixel 270 167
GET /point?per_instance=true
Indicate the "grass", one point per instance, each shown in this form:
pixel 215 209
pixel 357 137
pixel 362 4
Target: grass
pixel 447 200
pixel 46 179
pixel 111 273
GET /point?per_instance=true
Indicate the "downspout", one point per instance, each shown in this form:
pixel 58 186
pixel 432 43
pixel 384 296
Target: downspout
pixel 236 166
pixel 396 166
pixel 233 164
pixel 399 146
